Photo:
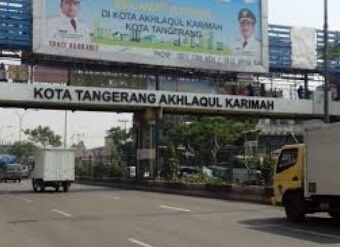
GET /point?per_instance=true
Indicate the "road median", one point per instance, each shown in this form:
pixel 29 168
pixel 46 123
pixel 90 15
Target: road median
pixel 254 194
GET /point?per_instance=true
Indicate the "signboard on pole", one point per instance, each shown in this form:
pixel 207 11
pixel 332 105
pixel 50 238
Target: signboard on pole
pixel 223 35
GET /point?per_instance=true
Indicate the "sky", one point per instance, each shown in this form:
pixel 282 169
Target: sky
pixel 91 127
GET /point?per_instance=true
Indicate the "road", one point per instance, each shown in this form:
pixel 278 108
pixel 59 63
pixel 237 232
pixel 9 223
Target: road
pixel 96 216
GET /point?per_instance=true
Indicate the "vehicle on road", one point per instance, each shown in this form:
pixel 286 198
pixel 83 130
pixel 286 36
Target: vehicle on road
pixel 25 173
pixel 54 168
pixel 306 177
pixel 10 172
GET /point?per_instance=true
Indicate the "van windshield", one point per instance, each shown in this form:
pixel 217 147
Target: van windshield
pixel 13 168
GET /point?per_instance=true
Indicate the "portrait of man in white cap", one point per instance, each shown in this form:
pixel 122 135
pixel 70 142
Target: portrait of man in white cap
pixel 247 44
pixel 67 27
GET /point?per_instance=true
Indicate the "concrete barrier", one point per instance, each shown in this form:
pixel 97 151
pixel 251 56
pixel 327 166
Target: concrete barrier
pixel 254 194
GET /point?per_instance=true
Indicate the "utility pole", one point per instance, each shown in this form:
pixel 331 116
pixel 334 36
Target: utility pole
pixel 65 130
pixel 125 121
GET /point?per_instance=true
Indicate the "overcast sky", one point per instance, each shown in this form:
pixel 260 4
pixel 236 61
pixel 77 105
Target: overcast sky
pixel 91 127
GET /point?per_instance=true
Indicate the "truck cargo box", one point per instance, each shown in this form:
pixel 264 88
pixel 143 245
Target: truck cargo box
pixel 322 170
pixel 55 165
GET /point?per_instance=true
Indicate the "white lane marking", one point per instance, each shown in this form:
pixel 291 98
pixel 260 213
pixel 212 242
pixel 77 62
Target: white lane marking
pixel 110 197
pixel 26 200
pixel 174 208
pixel 135 241
pixel 325 235
pixel 60 212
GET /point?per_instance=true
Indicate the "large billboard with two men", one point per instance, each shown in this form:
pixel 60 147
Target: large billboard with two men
pixel 224 35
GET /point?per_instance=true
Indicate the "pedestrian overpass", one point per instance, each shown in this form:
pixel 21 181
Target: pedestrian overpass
pixel 125 100
pixel 16 32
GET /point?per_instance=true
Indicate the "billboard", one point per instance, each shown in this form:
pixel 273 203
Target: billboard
pixel 224 35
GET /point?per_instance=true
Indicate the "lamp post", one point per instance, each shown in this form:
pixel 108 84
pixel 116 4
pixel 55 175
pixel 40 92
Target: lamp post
pixel 21 118
pixel 326 63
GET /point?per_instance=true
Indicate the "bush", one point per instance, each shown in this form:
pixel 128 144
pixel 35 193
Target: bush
pixel 118 172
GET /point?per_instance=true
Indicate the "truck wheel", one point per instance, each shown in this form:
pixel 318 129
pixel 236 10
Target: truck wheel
pixel 35 187
pixel 295 208
pixel 66 187
pixel 42 187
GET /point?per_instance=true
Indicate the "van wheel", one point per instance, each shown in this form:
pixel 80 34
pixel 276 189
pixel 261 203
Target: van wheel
pixel 335 215
pixel 295 207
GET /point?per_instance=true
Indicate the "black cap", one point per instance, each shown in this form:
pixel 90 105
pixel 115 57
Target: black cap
pixel 246 15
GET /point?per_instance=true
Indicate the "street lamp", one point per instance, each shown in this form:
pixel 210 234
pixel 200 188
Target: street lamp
pixel 1 129
pixel 21 118
pixel 326 64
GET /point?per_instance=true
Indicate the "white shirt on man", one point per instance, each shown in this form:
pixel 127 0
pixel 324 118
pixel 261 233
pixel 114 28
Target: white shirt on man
pixel 249 48
pixel 65 29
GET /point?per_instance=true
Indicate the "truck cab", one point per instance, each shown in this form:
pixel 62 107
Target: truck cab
pixel 306 176
pixel 289 172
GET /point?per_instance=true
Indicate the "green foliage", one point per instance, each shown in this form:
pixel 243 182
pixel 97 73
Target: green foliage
pixel 43 136
pixel 209 134
pixel 123 146
pixel 22 150
pixel 170 167
pixel 118 135
pixel 334 52
pixel 118 172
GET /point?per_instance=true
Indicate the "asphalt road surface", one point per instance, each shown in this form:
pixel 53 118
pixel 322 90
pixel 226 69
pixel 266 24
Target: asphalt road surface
pixel 98 217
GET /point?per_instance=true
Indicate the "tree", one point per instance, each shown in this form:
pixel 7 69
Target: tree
pixel 206 135
pixel 123 145
pixel 118 135
pixel 334 57
pixel 22 150
pixel 43 136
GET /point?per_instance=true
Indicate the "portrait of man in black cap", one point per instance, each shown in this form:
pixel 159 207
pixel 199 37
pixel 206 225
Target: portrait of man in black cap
pixel 67 27
pixel 247 44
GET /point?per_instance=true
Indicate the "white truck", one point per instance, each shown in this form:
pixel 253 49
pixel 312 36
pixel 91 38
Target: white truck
pixel 54 168
pixel 307 176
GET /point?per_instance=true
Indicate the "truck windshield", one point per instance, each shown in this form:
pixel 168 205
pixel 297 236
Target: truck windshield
pixel 288 158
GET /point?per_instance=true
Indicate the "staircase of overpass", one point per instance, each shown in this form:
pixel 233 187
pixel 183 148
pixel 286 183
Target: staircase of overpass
pixel 16 31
